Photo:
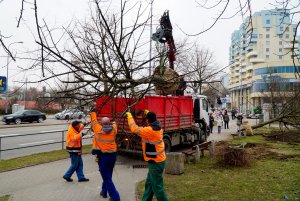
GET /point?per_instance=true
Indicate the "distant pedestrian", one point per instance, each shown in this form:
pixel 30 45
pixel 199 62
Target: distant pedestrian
pixel 226 120
pixel 74 147
pixel 239 121
pixel 219 122
pixel 211 122
pixel 233 113
pixel 105 148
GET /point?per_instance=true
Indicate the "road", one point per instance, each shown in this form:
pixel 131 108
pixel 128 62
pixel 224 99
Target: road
pixel 50 131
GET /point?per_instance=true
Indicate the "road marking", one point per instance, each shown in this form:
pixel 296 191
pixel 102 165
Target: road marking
pixel 39 142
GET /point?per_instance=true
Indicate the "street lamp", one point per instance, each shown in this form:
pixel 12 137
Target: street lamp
pixel 6 103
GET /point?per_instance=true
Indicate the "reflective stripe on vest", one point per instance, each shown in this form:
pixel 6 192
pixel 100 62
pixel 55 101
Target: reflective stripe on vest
pixel 146 141
pixel 100 140
pixel 110 151
pixel 154 153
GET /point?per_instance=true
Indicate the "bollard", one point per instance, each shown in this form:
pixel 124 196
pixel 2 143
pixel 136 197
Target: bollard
pixel 197 155
pixel 174 163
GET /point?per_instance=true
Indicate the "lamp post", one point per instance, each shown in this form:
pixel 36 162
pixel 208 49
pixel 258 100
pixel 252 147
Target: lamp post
pixel 6 103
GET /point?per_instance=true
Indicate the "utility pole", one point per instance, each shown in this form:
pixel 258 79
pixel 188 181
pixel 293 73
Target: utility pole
pixel 150 51
pixel 6 102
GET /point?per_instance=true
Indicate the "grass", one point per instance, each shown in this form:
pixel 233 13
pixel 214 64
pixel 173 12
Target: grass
pixel 269 178
pixel 35 159
pixel 4 198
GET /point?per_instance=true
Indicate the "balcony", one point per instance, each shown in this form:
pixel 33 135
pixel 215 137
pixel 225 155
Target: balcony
pixel 256 60
pixel 251 54
pixel 290 45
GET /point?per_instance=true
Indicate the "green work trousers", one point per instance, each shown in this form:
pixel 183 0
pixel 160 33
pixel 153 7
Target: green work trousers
pixel 154 182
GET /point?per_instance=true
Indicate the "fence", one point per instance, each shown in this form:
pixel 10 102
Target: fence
pixel 62 141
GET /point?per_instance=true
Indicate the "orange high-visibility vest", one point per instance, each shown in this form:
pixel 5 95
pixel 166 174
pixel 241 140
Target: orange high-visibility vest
pixel 73 140
pixel 152 141
pixel 105 142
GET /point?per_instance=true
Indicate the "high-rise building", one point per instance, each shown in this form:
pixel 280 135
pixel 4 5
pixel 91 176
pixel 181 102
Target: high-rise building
pixel 262 52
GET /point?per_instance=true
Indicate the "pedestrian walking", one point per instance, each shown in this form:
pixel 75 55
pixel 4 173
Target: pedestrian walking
pixel 226 120
pixel 233 113
pixel 154 152
pixel 211 122
pixel 105 149
pixel 74 147
pixel 219 122
pixel 239 121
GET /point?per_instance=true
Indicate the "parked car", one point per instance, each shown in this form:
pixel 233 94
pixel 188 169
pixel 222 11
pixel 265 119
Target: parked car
pixel 253 116
pixel 24 116
pixel 69 114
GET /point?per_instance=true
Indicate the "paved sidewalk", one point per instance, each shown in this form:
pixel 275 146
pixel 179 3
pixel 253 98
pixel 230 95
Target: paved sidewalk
pixel 45 183
pixel 226 133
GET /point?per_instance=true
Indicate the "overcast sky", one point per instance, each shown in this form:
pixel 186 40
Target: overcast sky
pixel 184 14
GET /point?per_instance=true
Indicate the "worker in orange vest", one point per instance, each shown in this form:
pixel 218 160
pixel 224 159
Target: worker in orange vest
pixel 105 148
pixel 74 147
pixel 154 152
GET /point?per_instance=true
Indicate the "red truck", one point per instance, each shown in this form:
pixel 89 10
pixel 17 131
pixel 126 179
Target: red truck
pixel 183 118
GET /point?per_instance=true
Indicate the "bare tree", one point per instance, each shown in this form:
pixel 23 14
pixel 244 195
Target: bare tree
pixel 198 65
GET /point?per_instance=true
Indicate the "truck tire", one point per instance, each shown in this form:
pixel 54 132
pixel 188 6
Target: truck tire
pixel 168 145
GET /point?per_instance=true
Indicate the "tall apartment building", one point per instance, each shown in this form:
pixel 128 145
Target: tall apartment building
pixel 261 52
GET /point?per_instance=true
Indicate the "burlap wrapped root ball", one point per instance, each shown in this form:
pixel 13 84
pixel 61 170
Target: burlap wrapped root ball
pixel 166 82
pixel 247 127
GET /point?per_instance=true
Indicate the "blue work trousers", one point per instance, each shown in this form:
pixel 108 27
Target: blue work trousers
pixel 76 165
pixel 106 165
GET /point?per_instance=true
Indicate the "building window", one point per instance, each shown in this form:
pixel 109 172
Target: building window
pixel 280 57
pixel 287 29
pixel 267 42
pixel 267 29
pixel 280 49
pixel 267 49
pixel 261 35
pixel 268 21
pixel 287 36
pixel 281 28
pixel 280 42
pixel 280 35
pixel 267 56
pixel 267 35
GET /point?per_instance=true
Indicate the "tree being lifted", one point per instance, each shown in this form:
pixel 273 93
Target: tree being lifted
pixel 171 82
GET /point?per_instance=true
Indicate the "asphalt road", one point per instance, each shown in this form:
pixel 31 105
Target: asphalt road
pixel 50 131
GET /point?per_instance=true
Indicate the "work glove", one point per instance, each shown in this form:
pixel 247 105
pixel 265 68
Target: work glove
pixel 146 112
pixel 128 114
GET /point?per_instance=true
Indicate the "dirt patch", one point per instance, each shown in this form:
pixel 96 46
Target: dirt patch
pixel 253 151
pixel 287 136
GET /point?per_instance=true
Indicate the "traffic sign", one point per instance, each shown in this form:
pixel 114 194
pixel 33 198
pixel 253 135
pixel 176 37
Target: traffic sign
pixel 2 84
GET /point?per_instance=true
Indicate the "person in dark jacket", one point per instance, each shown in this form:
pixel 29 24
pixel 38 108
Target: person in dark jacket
pixel 226 119
pixel 211 122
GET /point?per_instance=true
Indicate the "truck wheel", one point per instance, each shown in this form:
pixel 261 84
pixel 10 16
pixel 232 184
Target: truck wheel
pixel 168 145
pixel 66 117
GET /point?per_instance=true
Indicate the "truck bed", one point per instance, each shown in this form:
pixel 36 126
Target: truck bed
pixel 174 112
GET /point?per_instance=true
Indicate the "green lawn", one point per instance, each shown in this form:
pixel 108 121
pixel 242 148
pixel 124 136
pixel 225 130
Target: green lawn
pixel 4 198
pixel 269 178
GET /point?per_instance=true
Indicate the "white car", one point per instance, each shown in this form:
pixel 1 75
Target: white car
pixel 69 114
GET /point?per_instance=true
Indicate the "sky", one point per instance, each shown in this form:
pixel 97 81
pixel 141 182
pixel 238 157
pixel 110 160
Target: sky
pixel 186 16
